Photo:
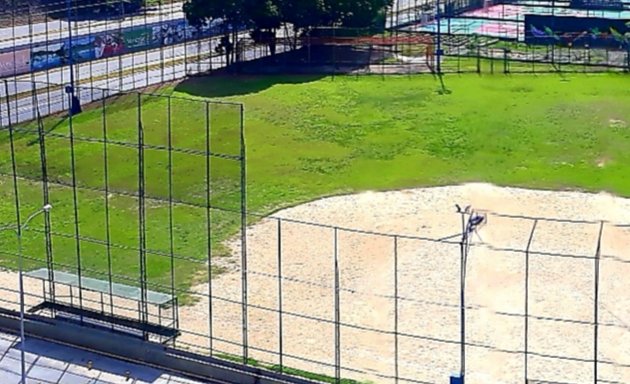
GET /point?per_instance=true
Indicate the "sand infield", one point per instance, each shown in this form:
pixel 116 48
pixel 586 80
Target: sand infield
pixel 561 287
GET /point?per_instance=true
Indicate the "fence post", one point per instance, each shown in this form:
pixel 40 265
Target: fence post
pixel 280 317
pixel 463 245
pixel 478 58
pixel 75 198
pixel 506 65
pixel 396 363
pixel 596 305
pixel 337 311
pixel 526 354
pixel 244 289
pixel 209 225
pixel 107 206
pixel 144 310
pixel 46 196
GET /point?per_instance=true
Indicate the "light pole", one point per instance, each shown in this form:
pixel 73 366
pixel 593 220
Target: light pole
pixel 18 231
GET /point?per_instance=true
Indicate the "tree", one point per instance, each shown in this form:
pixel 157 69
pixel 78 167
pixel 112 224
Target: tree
pixel 231 12
pixel 265 18
pixel 301 15
pixel 362 13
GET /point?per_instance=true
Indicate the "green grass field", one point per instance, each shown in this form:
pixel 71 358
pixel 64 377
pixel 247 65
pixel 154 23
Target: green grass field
pixel 309 137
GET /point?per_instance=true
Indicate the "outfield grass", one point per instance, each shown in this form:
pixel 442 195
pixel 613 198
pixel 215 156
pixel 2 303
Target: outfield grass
pixel 309 137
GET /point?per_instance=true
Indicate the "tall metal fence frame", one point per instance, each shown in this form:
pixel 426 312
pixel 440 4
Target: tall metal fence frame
pixel 182 50
pixel 461 244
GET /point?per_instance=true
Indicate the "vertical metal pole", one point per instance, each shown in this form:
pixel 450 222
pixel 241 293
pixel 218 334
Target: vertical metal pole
pixel 32 75
pixel 18 219
pixel 170 209
pixel 13 9
pixel 526 355
pixel 146 43
pixel 397 23
pixel 199 34
pixel 438 52
pixel 596 305
pixel 244 236
pixel 47 75
pixel 106 59
pixel 396 363
pixel 209 224
pixel 133 56
pixel 70 58
pixel 142 221
pixel 75 200
pixel 185 48
pixel 553 28
pixel 334 47
pixel 337 311
pixel 280 317
pixel 462 296
pixel 46 196
pixel 91 74
pixel 21 288
pixel 121 85
pixel 107 217
pixel 161 44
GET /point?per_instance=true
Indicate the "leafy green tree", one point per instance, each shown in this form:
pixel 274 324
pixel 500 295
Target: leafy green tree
pixel 362 13
pixel 232 12
pixel 265 19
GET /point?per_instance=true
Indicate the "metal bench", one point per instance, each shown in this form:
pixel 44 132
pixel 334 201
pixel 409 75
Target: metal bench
pixel 65 308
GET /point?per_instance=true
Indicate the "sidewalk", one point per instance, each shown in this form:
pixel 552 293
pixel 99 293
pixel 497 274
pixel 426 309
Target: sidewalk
pixel 51 363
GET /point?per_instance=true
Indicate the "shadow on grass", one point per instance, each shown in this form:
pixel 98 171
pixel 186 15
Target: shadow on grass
pixel 222 84
pixel 298 66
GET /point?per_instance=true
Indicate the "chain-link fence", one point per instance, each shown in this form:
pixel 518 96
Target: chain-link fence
pixel 148 237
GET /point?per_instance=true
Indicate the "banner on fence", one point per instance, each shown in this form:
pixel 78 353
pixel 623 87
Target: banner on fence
pixel 84 49
pixel 108 44
pixel 48 56
pixel 101 45
pixel 171 33
pixel 577 31
pixel 17 62
pixel 611 5
pixel 136 39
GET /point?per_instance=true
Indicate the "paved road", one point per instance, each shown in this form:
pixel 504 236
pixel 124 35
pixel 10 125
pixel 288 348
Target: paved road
pixel 53 30
pixel 138 70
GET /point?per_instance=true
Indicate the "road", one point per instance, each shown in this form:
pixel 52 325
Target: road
pixel 124 73
pixel 58 29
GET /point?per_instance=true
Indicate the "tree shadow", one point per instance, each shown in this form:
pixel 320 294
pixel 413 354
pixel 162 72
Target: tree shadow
pixel 226 84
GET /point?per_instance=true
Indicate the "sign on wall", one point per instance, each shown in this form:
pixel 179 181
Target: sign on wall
pixel 15 63
pixel 577 31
